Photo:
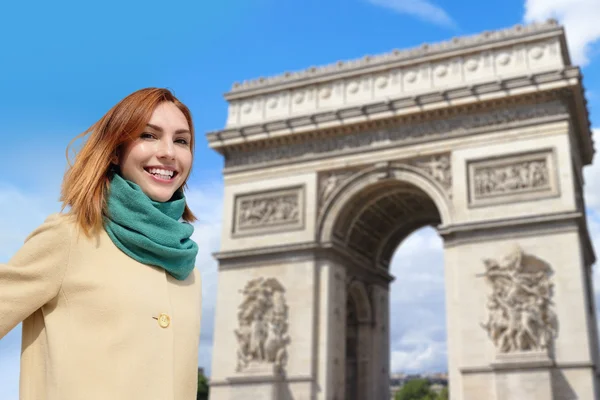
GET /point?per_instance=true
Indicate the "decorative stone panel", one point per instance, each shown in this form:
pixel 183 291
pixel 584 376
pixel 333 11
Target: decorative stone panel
pixel 272 211
pixel 262 331
pixel 520 315
pixel 508 179
pixel 406 132
pixel 438 167
pixel 329 181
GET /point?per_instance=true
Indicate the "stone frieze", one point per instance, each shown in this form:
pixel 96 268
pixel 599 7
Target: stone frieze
pixel 381 137
pixel 512 178
pixel 259 212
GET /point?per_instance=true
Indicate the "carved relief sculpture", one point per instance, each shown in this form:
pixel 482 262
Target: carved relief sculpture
pixel 330 181
pixel 405 132
pixel 521 177
pixel 511 178
pixel 263 325
pixel 520 316
pixel 438 167
pixel 268 210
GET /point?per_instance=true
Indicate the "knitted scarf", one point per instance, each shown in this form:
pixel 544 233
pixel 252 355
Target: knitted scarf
pixel 149 231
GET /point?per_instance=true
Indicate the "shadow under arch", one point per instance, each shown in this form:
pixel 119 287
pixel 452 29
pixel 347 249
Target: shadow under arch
pixel 377 208
pixel 360 297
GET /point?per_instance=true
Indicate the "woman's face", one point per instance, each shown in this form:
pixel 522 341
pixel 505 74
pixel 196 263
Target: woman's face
pixel 160 158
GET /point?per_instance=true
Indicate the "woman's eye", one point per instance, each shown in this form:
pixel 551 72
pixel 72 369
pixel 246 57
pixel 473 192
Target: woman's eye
pixel 182 141
pixel 146 135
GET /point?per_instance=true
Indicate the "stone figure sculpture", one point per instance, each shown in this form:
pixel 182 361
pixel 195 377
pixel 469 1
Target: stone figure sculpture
pixel 329 182
pixel 439 168
pixel 263 322
pixel 520 317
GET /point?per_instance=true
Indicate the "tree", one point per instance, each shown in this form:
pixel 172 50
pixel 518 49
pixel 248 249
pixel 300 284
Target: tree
pixel 416 389
pixel 203 389
pixel 420 389
pixel 443 394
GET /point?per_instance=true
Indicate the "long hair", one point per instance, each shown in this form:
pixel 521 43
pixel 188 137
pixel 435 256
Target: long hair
pixel 86 183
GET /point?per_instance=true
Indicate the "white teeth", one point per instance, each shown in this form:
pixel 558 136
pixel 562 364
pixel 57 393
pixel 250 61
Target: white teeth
pixel 162 173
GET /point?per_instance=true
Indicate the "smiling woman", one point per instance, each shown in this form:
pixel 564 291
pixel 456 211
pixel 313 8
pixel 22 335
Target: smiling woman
pixel 107 292
pixel 160 160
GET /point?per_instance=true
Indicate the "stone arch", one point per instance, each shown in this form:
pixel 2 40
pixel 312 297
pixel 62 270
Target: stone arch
pixel 376 174
pixel 360 297
pixel 361 192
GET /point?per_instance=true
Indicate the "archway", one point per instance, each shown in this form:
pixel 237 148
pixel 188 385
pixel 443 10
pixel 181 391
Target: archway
pixel 327 170
pixel 418 326
pixel 374 212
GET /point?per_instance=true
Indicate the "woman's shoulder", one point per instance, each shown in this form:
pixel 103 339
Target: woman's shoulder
pixel 62 224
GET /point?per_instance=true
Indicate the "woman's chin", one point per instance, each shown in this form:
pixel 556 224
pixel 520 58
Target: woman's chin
pixel 159 195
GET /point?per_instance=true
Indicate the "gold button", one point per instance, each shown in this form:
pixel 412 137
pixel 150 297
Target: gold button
pixel 164 320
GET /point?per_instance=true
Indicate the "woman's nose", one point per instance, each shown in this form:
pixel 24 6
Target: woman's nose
pixel 166 149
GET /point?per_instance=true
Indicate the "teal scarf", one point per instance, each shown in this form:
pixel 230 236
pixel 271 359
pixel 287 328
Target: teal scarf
pixel 150 231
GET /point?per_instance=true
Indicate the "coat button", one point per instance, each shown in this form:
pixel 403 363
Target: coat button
pixel 164 320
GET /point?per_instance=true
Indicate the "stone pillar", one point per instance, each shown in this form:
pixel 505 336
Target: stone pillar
pixel 519 324
pixel 265 339
pixel 380 344
pixel 337 335
pixel 332 330
pixel 365 351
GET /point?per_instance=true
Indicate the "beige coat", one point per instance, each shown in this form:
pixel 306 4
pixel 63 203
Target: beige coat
pixel 96 323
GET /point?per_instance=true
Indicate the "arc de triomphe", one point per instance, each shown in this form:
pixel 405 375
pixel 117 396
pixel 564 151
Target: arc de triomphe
pixel 327 170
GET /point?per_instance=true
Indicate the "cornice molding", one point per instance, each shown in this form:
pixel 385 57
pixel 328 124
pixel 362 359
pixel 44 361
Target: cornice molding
pixel 426 103
pixel 527 226
pixel 233 380
pixel 488 369
pixel 299 252
pixel 453 235
pixel 402 131
pixel 424 53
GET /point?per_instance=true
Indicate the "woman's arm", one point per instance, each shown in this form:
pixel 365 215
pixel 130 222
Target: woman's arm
pixel 34 274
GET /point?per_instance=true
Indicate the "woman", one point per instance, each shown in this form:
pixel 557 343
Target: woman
pixel 107 292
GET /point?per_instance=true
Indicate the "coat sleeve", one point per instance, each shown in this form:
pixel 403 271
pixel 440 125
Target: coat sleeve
pixel 34 275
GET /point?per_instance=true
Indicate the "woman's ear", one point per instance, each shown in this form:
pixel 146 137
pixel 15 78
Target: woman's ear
pixel 115 158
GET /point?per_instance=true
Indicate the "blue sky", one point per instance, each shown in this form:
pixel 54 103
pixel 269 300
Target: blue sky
pixel 63 64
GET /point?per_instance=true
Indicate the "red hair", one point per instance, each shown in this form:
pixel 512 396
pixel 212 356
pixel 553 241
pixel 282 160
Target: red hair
pixel 86 182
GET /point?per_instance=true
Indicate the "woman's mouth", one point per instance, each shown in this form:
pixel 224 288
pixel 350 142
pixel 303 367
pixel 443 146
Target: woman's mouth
pixel 160 174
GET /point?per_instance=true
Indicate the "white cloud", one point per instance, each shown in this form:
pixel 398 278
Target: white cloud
pixel 580 18
pixel 422 357
pixel 592 198
pixel 422 9
pixel 10 351
pixel 20 214
pixel 206 201
pixel 591 177
pixel 417 307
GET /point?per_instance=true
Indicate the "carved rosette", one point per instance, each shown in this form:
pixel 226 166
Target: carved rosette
pixel 439 168
pixel 520 316
pixel 262 332
pixel 268 211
